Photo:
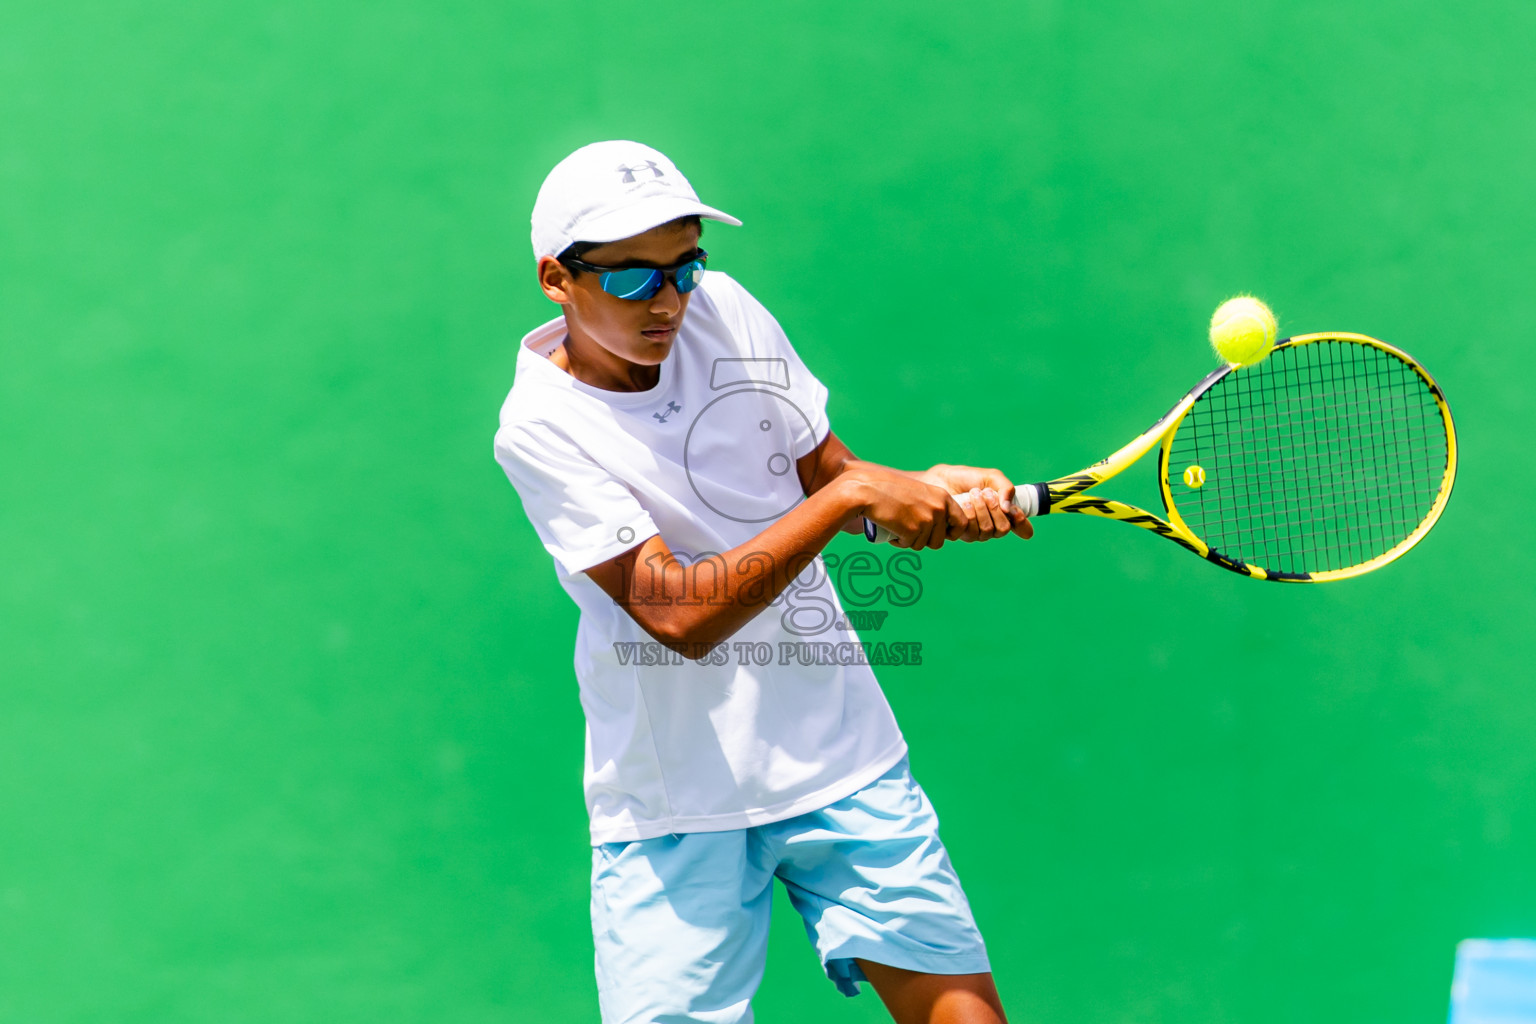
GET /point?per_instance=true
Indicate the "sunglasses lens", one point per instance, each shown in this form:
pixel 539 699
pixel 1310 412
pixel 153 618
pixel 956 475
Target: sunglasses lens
pixel 690 277
pixel 634 283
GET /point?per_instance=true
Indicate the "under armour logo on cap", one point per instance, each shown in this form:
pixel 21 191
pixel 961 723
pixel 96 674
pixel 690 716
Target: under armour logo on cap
pixel 630 172
pixel 612 190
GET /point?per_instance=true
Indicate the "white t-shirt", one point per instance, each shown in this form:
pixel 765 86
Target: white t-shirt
pixel 706 458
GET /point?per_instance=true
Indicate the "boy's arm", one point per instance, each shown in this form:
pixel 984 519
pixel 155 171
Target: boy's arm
pixel 692 607
pixel 689 608
pixel 987 514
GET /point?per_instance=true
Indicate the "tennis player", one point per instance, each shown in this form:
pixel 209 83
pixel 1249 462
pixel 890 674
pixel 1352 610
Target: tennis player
pixel 673 453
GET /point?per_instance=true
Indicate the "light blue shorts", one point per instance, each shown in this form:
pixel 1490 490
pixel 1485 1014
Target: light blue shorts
pixel 681 921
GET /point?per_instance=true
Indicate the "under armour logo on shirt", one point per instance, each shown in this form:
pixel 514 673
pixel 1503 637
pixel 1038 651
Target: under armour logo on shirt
pixel 672 407
pixel 630 172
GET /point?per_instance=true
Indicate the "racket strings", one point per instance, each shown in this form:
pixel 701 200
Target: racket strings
pixel 1323 456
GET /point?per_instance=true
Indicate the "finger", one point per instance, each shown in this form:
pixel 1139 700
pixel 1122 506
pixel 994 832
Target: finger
pixel 1022 527
pixel 964 529
pixel 956 515
pixel 924 525
pixel 933 534
pixel 957 527
pixel 1002 485
pixel 1005 510
pixel 982 508
pixel 980 525
pixel 995 515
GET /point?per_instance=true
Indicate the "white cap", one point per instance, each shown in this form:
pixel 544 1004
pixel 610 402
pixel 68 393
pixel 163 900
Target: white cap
pixel 611 190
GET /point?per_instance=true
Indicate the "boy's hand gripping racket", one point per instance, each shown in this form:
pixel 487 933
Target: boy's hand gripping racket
pixel 1328 459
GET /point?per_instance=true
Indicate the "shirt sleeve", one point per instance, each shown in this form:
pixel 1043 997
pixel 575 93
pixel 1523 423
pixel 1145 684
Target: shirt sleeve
pixel 582 513
pixel 765 340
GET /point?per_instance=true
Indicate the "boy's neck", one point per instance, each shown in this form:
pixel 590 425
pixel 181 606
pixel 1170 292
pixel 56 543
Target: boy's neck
pixel 596 367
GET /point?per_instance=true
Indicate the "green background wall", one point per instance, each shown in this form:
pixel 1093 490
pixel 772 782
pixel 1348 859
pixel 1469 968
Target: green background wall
pixel 288 730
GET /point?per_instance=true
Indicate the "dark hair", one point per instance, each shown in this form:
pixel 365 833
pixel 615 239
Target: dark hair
pixel 579 250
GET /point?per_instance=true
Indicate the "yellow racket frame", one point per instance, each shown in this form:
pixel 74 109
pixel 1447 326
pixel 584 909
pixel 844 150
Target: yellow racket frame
pixel 1066 495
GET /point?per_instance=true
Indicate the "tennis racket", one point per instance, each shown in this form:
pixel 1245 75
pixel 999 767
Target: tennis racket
pixel 1327 460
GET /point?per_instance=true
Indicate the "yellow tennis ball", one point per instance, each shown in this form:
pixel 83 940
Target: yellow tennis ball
pixel 1243 330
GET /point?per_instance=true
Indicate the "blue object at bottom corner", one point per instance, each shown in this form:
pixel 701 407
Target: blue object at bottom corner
pixel 1495 982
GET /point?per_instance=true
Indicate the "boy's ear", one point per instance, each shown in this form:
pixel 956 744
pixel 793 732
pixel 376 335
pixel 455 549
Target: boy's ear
pixel 554 280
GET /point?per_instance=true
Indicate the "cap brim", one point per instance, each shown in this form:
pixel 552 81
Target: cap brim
pixel 641 217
